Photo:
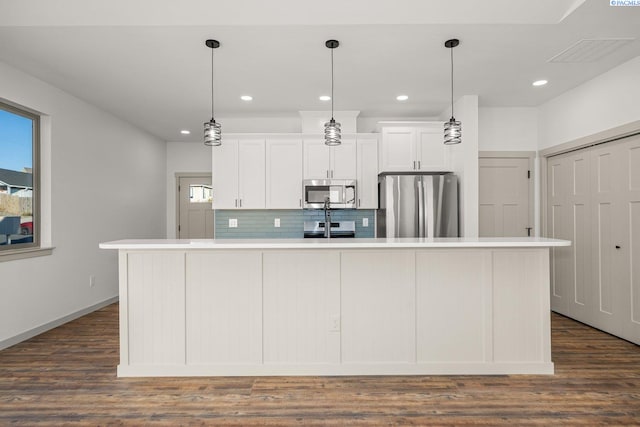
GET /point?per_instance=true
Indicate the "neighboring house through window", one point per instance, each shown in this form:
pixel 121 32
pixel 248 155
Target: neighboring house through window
pixel 19 179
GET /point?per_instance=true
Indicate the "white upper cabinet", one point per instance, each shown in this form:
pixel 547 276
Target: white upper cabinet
pixel 413 147
pixel 367 168
pixel 239 174
pixel 284 173
pixel 322 161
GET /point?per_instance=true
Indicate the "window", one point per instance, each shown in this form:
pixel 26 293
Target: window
pixel 19 179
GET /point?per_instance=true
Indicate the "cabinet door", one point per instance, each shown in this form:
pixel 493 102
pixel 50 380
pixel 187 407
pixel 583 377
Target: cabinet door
pixel 398 149
pixel 251 172
pixel 284 173
pixel 432 154
pixel 367 188
pixel 225 175
pixel 316 159
pixel 343 160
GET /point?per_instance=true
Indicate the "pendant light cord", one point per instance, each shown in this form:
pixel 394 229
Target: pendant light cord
pixel 451 82
pixel 332 83
pixel 212 83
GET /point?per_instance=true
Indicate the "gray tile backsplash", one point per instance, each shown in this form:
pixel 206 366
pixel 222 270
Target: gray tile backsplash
pixel 258 224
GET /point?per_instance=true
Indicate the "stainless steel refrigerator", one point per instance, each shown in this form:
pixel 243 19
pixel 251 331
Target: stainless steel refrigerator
pixel 417 205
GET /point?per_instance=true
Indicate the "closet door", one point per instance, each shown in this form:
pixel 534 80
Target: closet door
pixel 607 291
pixel 629 252
pixel 569 218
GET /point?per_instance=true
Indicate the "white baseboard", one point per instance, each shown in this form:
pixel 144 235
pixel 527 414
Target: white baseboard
pixel 55 323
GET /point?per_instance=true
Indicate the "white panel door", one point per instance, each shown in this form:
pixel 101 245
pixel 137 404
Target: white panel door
pixel 155 296
pixel 378 310
pixel 398 149
pixel 301 307
pixel 432 154
pixel 283 174
pixel 629 230
pixel 504 197
pixel 225 175
pixel 317 159
pixel 343 160
pixel 195 214
pixel 459 299
pixel 251 174
pixel 224 307
pixel 367 166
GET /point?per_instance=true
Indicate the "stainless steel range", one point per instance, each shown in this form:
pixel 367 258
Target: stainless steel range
pixel 338 229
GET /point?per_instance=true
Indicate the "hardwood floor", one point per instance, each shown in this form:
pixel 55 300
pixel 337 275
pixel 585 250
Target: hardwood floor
pixel 67 376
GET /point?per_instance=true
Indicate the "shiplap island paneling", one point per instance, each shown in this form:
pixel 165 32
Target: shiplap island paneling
pixel 334 307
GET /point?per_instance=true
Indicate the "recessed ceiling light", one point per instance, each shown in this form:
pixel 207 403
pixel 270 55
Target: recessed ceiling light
pixel 324 98
pixel 540 83
pixel 402 97
pixel 185 132
pixel 246 97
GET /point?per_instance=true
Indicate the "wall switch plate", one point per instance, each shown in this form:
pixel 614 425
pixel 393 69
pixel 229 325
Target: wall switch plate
pixel 276 222
pixel 365 222
pixel 334 325
pixel 233 223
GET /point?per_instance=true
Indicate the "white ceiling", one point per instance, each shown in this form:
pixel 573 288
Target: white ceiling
pixel 145 60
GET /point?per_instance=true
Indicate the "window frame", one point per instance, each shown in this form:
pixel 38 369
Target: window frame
pixel 26 250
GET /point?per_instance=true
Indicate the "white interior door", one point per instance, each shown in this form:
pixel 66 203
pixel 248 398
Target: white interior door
pixel 504 197
pixel 195 214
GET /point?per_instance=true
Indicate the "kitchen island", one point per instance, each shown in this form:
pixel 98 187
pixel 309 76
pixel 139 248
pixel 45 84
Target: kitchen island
pixel 334 306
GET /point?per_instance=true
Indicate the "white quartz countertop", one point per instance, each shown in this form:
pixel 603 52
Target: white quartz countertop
pixel 344 243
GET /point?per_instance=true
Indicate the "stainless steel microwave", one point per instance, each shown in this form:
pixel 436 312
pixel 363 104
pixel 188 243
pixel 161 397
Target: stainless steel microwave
pixel 340 192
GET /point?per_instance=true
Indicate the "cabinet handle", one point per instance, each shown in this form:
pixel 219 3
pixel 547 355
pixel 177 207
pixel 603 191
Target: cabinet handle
pixel 300 200
pixel 236 202
pixel 617 246
pixel 327 173
pixel 528 231
pixel 414 165
pixel 359 203
pixel 240 202
pixel 419 165
pixel 332 174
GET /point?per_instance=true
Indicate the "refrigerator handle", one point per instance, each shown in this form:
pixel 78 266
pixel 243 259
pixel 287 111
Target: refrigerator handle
pixel 419 189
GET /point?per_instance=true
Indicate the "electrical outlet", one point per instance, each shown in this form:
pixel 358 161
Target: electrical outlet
pixel 365 222
pixel 334 324
pixel 233 223
pixel 92 281
pixel 276 222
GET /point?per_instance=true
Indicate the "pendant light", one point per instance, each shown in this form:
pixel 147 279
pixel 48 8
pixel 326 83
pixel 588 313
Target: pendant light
pixel 212 130
pixel 452 128
pixel 332 128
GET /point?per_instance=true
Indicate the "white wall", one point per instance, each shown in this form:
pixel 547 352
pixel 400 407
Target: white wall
pixel 101 176
pixel 610 100
pixel 183 157
pixel 508 129
pixel 464 162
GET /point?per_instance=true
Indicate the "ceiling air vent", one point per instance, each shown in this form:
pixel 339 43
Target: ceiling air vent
pixel 590 50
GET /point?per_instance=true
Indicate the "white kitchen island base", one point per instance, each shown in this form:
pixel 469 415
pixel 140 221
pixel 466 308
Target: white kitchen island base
pixel 318 307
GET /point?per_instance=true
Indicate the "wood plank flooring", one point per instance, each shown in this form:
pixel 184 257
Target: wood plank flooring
pixel 68 377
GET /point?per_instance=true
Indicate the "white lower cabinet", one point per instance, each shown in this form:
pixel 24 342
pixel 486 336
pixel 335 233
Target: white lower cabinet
pixel 593 199
pixel 223 308
pixel 378 307
pixel 301 307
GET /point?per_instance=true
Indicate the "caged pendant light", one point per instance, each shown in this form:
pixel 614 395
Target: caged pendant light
pixel 212 130
pixel 452 128
pixel 332 128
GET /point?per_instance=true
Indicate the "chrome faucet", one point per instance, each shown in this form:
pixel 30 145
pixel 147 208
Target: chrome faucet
pixel 327 218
